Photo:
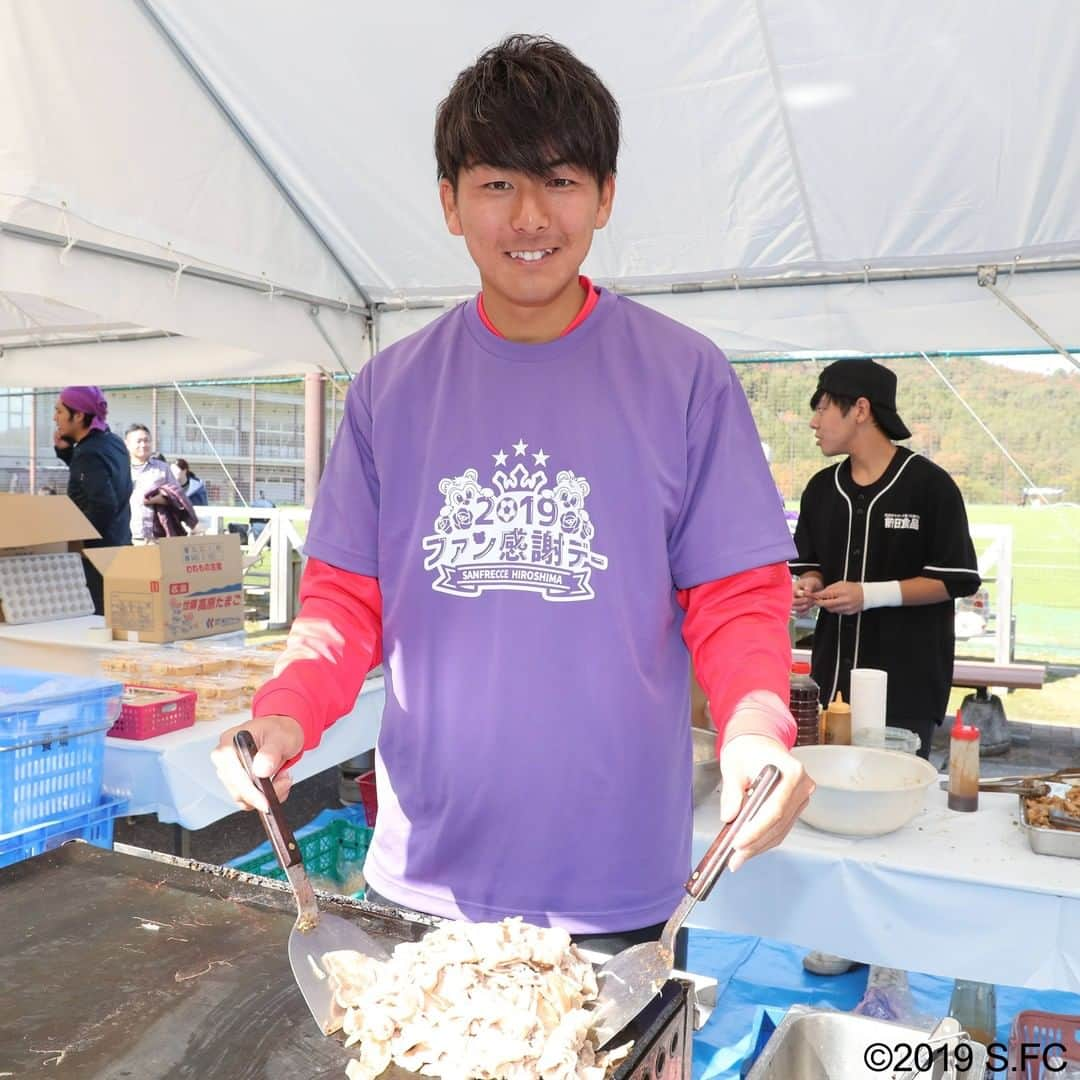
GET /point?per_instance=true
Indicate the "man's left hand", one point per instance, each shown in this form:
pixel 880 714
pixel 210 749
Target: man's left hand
pixel 841 598
pixel 740 762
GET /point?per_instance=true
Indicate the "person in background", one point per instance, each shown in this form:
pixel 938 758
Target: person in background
pixel 46 489
pixel 147 473
pixel 99 476
pixel 538 508
pixel 883 550
pixel 190 484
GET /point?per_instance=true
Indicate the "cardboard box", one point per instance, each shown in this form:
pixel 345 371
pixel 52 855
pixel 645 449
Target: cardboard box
pixel 179 587
pixel 42 524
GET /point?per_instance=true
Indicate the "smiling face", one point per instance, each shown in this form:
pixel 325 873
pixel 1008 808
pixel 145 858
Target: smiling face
pixel 528 236
pixel 138 444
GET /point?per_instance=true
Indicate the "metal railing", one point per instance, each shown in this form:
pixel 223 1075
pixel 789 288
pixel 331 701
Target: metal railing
pixel 279 538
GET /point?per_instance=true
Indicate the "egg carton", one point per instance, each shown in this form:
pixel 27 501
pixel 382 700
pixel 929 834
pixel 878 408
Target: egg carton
pixel 38 588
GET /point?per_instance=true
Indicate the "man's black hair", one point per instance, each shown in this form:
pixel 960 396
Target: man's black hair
pixel 528 104
pixel 87 418
pixel 136 427
pixel 843 402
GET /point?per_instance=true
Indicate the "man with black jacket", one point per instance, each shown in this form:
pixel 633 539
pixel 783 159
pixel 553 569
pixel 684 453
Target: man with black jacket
pixel 99 472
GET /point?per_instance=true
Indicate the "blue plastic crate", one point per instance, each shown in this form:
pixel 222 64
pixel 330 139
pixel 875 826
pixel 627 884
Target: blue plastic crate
pixel 52 744
pixel 94 826
pixel 333 846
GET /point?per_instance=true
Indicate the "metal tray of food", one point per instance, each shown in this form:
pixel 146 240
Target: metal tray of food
pixel 1047 840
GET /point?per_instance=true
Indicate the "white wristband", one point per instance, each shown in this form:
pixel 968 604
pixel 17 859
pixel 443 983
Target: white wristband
pixel 881 594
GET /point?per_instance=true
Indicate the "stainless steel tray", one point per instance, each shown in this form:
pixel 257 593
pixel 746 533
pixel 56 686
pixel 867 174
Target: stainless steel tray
pixel 822 1044
pixel 1047 841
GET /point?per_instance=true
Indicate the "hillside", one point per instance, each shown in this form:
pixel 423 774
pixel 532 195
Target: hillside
pixel 1035 417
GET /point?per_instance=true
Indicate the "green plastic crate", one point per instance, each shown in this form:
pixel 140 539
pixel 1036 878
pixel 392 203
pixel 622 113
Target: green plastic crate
pixel 334 846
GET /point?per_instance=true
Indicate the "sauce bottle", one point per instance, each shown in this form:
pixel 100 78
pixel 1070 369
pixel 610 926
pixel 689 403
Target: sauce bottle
pixel 805 702
pixel 974 1005
pixel 963 766
pixel 838 722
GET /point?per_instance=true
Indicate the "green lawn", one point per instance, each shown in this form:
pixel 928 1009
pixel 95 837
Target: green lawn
pixel 1046 551
pixel 1046 580
pixel 1046 577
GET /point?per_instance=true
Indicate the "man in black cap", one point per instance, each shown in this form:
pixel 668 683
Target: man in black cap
pixel 883 550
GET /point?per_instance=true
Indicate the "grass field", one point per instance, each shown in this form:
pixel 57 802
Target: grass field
pixel 1046 580
pixel 1046 577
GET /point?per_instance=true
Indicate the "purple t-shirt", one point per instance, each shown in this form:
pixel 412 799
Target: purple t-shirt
pixel 530 511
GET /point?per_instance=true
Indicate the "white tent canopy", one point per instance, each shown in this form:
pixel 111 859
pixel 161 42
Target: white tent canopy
pixel 259 181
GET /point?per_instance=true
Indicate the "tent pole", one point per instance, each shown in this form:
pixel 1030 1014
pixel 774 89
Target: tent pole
pixel 251 445
pixel 314 434
pixel 234 123
pixel 988 280
pixel 32 478
pixel 313 311
pixel 783 280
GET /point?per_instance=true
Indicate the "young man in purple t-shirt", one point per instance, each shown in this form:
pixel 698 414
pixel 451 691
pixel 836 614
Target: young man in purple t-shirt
pixel 534 507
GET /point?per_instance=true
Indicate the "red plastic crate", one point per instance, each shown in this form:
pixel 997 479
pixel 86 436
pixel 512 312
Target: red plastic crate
pixel 175 709
pixel 369 796
pixel 1032 1028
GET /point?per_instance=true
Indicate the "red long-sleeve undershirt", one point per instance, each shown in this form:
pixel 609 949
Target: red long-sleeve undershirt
pixel 735 629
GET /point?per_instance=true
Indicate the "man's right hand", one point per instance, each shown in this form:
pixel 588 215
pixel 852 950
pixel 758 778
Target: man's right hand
pixel 278 739
pixel 802 592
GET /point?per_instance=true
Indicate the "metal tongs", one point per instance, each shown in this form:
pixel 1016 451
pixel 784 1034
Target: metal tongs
pixel 1031 787
pixel 948 1033
pixel 1059 819
pixel 1062 776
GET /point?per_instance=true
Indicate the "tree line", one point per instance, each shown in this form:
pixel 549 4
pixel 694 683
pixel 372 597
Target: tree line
pixel 1035 417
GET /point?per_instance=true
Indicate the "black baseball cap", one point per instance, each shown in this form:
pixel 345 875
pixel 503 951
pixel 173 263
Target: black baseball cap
pixel 865 378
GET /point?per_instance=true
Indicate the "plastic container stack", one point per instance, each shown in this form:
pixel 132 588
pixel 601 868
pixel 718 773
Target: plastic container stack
pixel 52 750
pixel 37 588
pixel 333 845
pixel 223 679
pixel 95 826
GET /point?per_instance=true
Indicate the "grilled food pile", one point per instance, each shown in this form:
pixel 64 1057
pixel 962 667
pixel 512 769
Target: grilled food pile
pixel 472 1001
pixel 1038 810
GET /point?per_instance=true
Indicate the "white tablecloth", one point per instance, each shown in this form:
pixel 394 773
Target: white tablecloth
pixel 171 775
pixel 956 895
pixel 71 646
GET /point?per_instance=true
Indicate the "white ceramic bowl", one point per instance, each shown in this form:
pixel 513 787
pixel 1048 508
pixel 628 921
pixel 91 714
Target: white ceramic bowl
pixel 863 791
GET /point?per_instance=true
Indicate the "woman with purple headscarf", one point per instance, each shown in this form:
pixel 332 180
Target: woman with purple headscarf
pixel 99 472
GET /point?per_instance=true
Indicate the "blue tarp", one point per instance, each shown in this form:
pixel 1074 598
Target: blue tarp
pixel 760 979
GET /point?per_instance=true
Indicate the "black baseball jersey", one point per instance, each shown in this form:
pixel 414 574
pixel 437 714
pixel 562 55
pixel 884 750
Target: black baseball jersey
pixel 909 523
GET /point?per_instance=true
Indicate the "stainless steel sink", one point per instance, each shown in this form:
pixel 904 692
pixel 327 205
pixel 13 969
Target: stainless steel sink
pixel 814 1044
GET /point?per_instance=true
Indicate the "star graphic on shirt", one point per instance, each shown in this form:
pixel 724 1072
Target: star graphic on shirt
pixel 520 447
pixel 541 458
pixel 500 457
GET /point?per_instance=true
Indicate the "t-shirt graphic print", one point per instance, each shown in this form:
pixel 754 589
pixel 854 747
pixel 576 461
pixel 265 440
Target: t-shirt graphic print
pixel 520 532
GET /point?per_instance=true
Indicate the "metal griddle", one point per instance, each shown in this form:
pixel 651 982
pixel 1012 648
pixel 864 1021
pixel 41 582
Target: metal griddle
pixel 89 989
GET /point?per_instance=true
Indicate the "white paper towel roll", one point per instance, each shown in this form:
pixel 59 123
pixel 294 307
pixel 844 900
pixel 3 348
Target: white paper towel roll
pixel 868 687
